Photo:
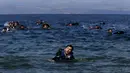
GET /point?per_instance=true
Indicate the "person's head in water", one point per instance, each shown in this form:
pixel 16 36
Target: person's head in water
pixel 98 27
pixel 45 26
pixel 64 54
pixel 109 30
pixel 68 50
pixel 73 24
pixel 22 27
pixel 16 24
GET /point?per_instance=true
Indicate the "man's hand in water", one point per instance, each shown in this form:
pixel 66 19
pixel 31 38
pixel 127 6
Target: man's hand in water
pixel 51 60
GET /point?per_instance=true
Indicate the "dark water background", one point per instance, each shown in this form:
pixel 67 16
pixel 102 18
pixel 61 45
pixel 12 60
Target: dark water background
pixel 27 51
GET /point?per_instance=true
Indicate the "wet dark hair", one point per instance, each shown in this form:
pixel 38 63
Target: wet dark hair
pixel 48 26
pixel 70 46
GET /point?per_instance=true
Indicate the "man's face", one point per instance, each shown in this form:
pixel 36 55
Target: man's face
pixel 68 50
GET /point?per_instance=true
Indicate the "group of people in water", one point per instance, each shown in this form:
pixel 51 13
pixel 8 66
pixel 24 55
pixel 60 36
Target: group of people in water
pixel 15 25
pixel 65 54
pixel 62 54
pixel 110 31
pixel 12 25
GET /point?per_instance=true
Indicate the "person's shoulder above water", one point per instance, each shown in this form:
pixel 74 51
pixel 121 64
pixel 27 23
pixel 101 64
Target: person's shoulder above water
pixel 119 32
pixel 64 54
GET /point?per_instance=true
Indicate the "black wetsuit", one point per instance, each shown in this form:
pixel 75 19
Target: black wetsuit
pixel 119 32
pixel 60 56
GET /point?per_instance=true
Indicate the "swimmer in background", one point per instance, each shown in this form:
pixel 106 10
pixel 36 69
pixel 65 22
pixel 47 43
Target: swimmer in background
pixel 110 32
pixel 73 24
pixel 45 26
pixel 95 27
pixel 22 27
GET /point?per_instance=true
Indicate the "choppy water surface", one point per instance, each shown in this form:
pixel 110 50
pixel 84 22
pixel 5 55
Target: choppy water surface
pixel 27 51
